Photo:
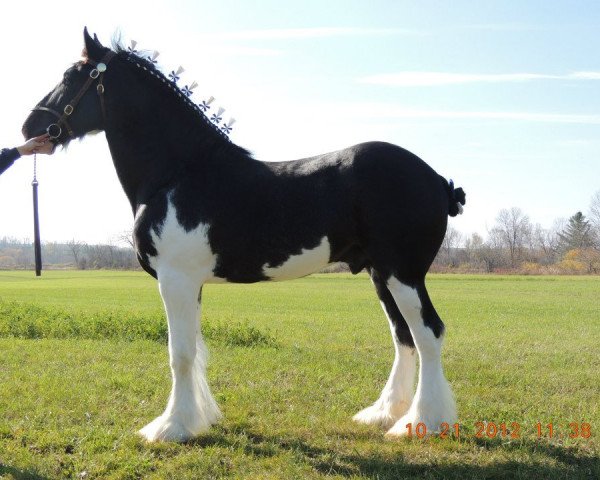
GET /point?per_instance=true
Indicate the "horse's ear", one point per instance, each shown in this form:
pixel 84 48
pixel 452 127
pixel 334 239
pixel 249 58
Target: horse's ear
pixel 92 47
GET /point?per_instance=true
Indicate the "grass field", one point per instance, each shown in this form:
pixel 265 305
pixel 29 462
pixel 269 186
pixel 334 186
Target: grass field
pixel 83 365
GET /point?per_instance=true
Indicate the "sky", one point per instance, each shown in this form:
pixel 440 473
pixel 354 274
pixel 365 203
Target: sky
pixel 501 96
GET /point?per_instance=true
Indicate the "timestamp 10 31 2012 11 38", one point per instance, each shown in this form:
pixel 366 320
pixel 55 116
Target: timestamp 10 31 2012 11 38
pixel 511 430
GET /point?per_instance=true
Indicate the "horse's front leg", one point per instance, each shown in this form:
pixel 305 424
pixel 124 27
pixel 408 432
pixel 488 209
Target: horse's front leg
pixel 191 408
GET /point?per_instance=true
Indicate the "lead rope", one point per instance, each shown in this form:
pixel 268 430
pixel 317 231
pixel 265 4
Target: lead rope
pixel 37 247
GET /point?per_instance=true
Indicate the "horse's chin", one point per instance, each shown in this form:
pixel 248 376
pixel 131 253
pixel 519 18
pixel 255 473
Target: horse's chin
pixel 64 143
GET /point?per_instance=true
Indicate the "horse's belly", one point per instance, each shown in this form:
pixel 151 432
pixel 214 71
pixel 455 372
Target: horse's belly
pixel 190 251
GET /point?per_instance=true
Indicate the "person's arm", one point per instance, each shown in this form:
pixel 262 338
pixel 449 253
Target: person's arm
pixel 39 144
pixel 7 158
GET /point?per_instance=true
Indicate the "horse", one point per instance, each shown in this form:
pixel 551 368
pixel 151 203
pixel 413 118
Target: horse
pixel 206 211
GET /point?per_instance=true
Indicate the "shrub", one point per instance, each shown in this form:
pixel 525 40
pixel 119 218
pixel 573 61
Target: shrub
pixel 531 268
pixel 20 320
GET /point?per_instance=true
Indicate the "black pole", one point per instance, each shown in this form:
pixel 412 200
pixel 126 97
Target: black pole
pixel 37 247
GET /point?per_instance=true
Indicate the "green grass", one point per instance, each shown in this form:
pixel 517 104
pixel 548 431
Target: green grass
pixel 83 365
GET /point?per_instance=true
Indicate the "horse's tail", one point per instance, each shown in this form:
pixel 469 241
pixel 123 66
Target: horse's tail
pixel 456 198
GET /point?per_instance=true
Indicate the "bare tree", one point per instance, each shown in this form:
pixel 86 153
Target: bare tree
pixel 591 258
pixel 76 248
pixel 545 242
pixel 594 217
pixel 513 227
pixel 491 253
pixel 471 247
pixel 126 238
pixel 451 242
pixel 595 209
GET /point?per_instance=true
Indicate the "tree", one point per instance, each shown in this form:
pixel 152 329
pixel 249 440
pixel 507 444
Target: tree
pixel 126 238
pixel 76 249
pixel 577 234
pixel 545 242
pixel 595 218
pixel 471 247
pixel 490 253
pixel 591 258
pixel 595 208
pixel 451 241
pixel 512 228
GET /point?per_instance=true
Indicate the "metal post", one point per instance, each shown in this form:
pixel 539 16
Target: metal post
pixel 37 247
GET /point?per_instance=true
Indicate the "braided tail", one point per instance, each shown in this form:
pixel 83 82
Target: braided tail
pixel 456 198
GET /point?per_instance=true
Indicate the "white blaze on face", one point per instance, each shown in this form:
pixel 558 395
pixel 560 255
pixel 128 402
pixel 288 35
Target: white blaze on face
pixel 305 263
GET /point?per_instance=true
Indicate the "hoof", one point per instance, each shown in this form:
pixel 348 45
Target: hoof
pixel 164 429
pixel 420 425
pixel 380 415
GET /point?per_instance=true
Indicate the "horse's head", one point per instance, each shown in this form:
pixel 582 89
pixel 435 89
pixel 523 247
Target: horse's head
pixel 76 105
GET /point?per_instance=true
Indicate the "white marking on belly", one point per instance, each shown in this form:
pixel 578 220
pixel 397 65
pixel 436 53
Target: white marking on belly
pixel 305 263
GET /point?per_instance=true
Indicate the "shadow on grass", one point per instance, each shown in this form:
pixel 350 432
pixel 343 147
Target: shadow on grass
pixel 541 460
pixel 10 472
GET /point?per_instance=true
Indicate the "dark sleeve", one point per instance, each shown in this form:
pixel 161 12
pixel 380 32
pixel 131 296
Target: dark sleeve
pixel 7 158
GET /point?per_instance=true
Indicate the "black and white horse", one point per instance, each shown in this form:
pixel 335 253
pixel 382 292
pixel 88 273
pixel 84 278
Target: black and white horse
pixel 206 212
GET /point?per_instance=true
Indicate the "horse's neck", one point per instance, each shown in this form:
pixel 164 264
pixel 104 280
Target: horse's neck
pixel 150 150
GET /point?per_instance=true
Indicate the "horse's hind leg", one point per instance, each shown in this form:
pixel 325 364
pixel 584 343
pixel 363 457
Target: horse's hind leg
pixel 433 403
pixel 397 394
pixel 191 408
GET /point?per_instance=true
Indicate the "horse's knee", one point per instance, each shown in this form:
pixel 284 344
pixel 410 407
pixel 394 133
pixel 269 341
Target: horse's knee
pixel 182 361
pixel 426 327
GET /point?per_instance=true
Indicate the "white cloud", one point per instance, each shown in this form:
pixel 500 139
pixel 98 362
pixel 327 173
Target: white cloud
pixel 430 79
pixel 500 27
pixel 386 111
pixel 585 75
pixel 303 33
pixel 238 51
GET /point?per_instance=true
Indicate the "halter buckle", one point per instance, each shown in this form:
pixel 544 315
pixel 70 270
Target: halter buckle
pixel 94 73
pixel 100 89
pixel 68 110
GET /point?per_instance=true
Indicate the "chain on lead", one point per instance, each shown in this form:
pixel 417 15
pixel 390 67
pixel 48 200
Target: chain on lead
pixel 34 182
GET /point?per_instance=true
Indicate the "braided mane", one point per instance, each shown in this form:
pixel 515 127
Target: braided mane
pixel 138 60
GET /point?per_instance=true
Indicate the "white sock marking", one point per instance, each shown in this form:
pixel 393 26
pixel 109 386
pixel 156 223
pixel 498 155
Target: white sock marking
pixel 433 402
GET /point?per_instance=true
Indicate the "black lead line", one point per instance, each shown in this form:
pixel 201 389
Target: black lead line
pixel 37 247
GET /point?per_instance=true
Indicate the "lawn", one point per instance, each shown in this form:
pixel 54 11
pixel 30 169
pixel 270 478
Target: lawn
pixel 83 365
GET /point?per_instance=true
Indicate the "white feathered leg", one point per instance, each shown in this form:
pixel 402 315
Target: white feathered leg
pixel 191 408
pixel 433 403
pixel 397 394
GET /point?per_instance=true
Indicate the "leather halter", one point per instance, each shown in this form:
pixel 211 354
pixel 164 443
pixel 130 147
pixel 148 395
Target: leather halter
pixel 96 73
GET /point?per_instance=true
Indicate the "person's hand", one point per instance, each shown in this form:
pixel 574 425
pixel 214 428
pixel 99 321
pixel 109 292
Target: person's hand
pixel 41 144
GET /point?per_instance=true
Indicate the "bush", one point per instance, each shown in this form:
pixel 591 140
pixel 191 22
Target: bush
pixel 581 261
pixel 19 320
pixel 531 268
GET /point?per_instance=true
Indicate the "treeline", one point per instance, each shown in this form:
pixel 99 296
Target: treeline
pixel 513 245
pixel 18 254
pixel 516 245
